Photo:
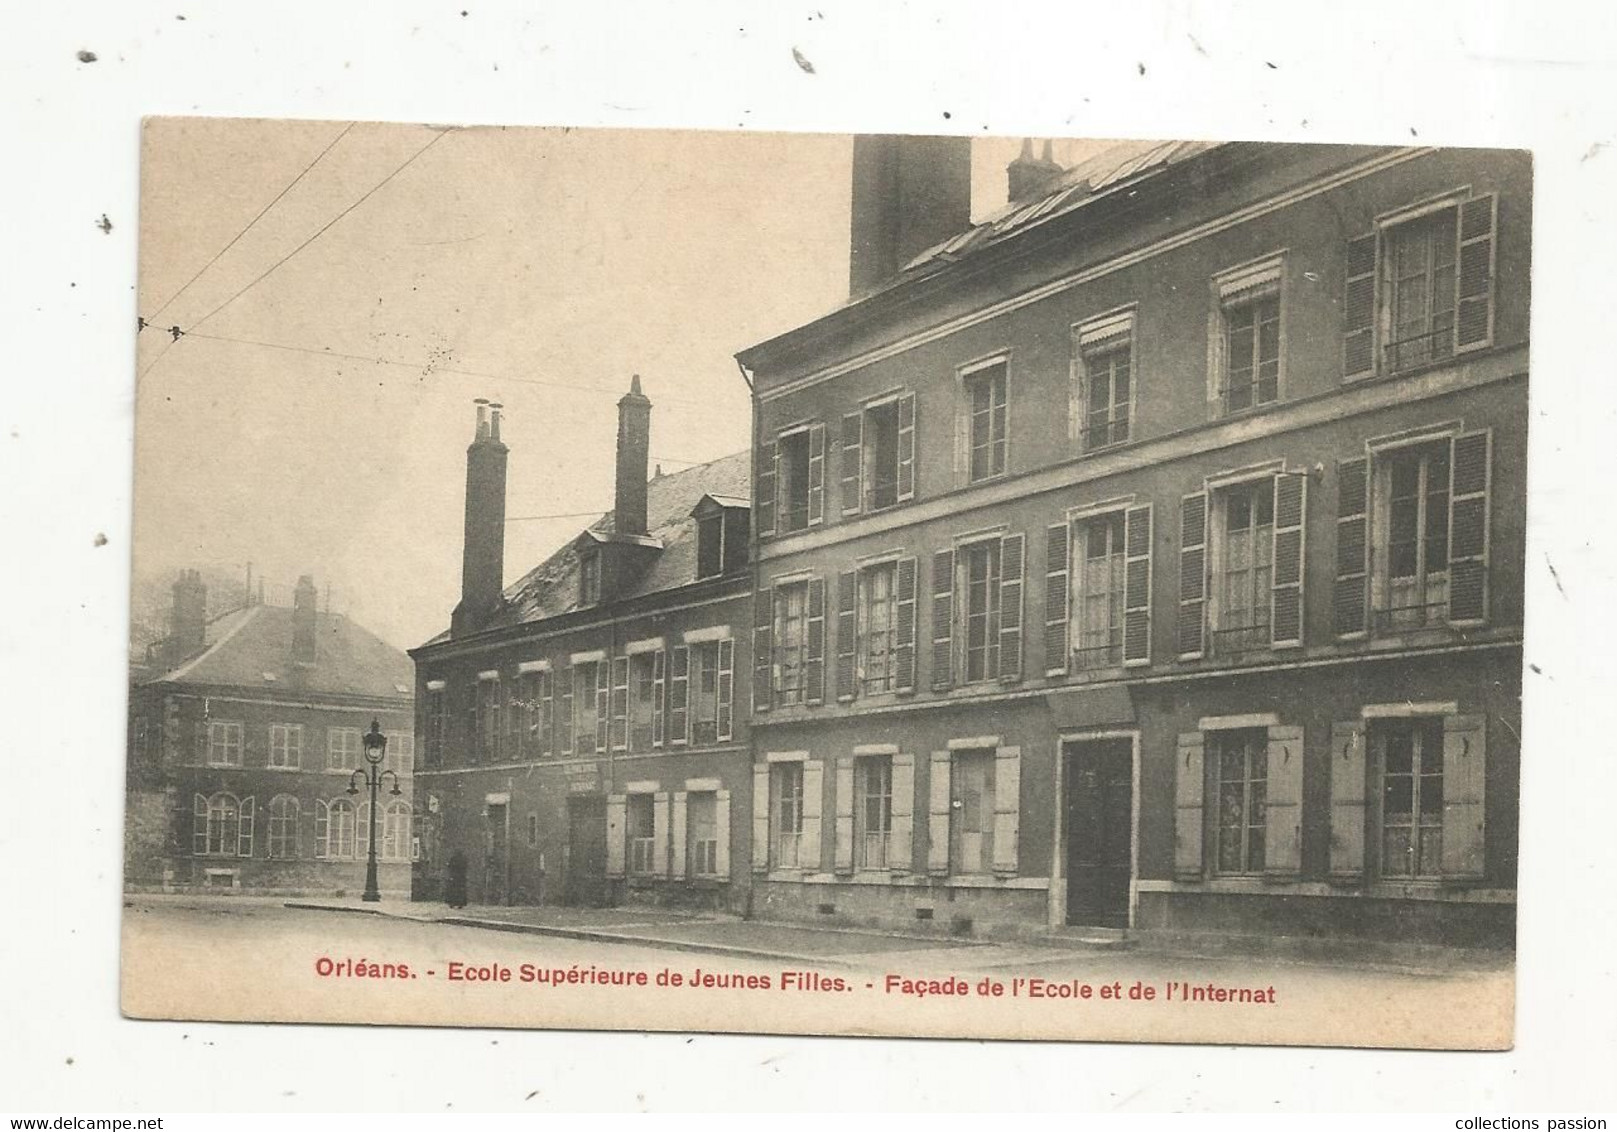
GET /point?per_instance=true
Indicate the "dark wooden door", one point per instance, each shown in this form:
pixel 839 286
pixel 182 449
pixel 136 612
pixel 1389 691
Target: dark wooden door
pixel 585 883
pixel 1100 831
pixel 496 858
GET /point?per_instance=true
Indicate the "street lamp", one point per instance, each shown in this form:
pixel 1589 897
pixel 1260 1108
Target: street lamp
pixel 375 748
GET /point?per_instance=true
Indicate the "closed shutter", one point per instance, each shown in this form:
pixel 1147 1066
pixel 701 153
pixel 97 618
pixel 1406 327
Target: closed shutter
pixel 1012 553
pixel 1007 808
pixel 847 628
pixel 901 847
pixel 659 698
pixel 199 825
pixel 816 474
pixel 1348 783
pixel 810 857
pixel 1359 308
pixel 1189 784
pixel 764 503
pixel 1283 805
pixel 721 831
pixel 942 619
pixel 620 703
pixel 1465 753
pixel 677 823
pixel 1057 623
pixel 763 657
pixel 659 834
pixel 1290 556
pixel 564 718
pixel 322 829
pixel 603 703
pixel 679 697
pixel 938 813
pixel 1192 574
pixel 1349 600
pixel 760 817
pixel 1137 586
pixel 1474 281
pixel 726 689
pixel 843 857
pixel 617 827
pixel 814 655
pixel 904 643
pixel 851 461
pixel 906 447
pixel 244 827
pixel 1469 472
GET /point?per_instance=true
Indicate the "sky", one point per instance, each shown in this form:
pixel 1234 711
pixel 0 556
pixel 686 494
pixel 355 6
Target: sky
pixel 346 290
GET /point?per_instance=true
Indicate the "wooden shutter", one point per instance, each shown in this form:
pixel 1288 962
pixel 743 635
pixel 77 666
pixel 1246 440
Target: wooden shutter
pixel 199 824
pixel 816 474
pixel 1350 600
pixel 763 657
pixel 1137 585
pixel 721 833
pixel 851 461
pixel 814 654
pixel 1192 575
pixel 620 703
pixel 1283 805
pixel 659 698
pixel 678 817
pixel 843 857
pixel 617 829
pixel 810 857
pixel 679 697
pixel 1474 280
pixel 938 813
pixel 603 703
pixel 1289 558
pixel 322 829
pixel 244 826
pixel 1057 622
pixel 1469 472
pixel 726 689
pixel 1348 784
pixel 847 629
pixel 1189 785
pixel 1465 753
pixel 659 834
pixel 1007 808
pixel 564 717
pixel 764 502
pixel 1012 555
pixel 1359 308
pixel 906 447
pixel 904 644
pixel 760 817
pixel 942 619
pixel 901 847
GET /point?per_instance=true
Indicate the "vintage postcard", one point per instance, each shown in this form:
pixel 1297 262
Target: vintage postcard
pixel 878 585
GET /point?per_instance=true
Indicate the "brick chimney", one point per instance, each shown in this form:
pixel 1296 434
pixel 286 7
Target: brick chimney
pixel 634 452
pixel 909 194
pixel 188 633
pixel 1029 176
pixel 305 610
pixel 482 570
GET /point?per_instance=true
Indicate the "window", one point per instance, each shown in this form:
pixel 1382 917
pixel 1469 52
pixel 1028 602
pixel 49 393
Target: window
pixel 702 833
pixel 976 611
pixel 704 692
pixel 1243 578
pixel 336 828
pixel 1104 364
pixel 1098 622
pixel 786 815
pixel 1419 272
pixel 1412 551
pixel 1241 566
pixel 791 642
pixel 986 422
pixel 878 454
pixel 1248 346
pixel 981 569
pixel 400 753
pixel 795 468
pixel 645 679
pixel 222 826
pixel 283 826
pixel 286 745
pixel 527 711
pixel 1409 773
pixel 533 831
pixel 589 715
pixel 224 743
pixel 877 632
pixel 342 748
pixel 721 540
pixel 641 833
pixel 395 840
pixel 437 725
pixel 872 810
pixel 589 577
pixel 488 719
pixel 971 803
pixel 1242 759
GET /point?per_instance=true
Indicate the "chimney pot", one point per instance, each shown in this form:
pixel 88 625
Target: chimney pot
pixel 1028 176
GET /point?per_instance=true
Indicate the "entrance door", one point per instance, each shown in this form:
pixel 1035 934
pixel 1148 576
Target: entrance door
pixel 1099 813
pixel 496 857
pixel 585 882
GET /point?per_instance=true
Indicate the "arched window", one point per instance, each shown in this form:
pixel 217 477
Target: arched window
pixel 395 844
pixel 222 826
pixel 283 826
pixel 341 825
pixel 322 829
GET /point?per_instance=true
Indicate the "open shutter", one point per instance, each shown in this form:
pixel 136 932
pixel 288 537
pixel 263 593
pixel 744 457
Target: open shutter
pixel 938 813
pixel 763 657
pixel 726 689
pixel 244 827
pixel 764 502
pixel 1012 555
pixel 851 461
pixel 721 832
pixel 1465 753
pixel 760 817
pixel 1192 574
pixel 1359 308
pixel 816 474
pixel 1349 600
pixel 1286 591
pixel 809 856
pixel 1283 805
pixel 1348 782
pixel 564 717
pixel 322 830
pixel 906 447
pixel 1474 281
pixel 814 658
pixel 1137 585
pixel 901 847
pixel 617 825
pixel 1057 623
pixel 904 642
pixel 1189 785
pixel 1007 808
pixel 199 825
pixel 659 834
pixel 1469 470
pixel 942 619
pixel 620 703
pixel 678 823
pixel 679 697
pixel 843 859
pixel 603 703
pixel 659 698
pixel 847 628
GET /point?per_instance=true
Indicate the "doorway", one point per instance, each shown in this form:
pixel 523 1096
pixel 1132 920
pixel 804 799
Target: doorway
pixel 496 855
pixel 584 885
pixel 1099 813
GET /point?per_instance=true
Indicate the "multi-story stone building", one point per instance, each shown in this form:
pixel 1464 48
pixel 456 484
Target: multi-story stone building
pixel 1150 554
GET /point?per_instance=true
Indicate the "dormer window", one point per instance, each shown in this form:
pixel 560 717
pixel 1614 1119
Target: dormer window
pixel 722 528
pixel 589 577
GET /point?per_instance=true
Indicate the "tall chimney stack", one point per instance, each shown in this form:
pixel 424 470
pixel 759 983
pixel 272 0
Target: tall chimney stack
pixel 634 451
pixel 305 609
pixel 910 193
pixel 482 570
pixel 1028 176
pixel 188 634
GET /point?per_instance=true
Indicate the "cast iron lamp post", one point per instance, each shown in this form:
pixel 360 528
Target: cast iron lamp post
pixel 375 748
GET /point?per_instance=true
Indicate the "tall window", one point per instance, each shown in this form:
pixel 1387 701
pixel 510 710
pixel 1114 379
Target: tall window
pixel 1251 345
pixel 704 692
pixel 643 676
pixel 286 745
pixel 336 828
pixel 395 840
pixel 1418 265
pixel 1244 568
pixel 877 633
pixel 1409 765
pixel 283 826
pixel 1105 361
pixel 587 721
pixel 1242 759
pixel 437 725
pixel 488 719
pixel 872 810
pixel 710 545
pixel 641 833
pixel 985 393
pixel 1412 572
pixel 786 815
pixel 217 829
pixel 702 832
pixel 589 577
pixel 794 451
pixel 1098 545
pixel 881 455
pixel 342 748
pixel 400 753
pixel 224 743
pixel 791 642
pixel 981 572
pixel 971 817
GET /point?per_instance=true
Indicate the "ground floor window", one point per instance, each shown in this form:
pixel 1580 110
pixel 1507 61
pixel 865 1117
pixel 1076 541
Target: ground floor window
pixel 971 804
pixel 1408 773
pixel 641 834
pixel 785 815
pixel 395 839
pixel 283 826
pixel 702 833
pixel 336 830
pixel 1241 759
pixel 872 810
